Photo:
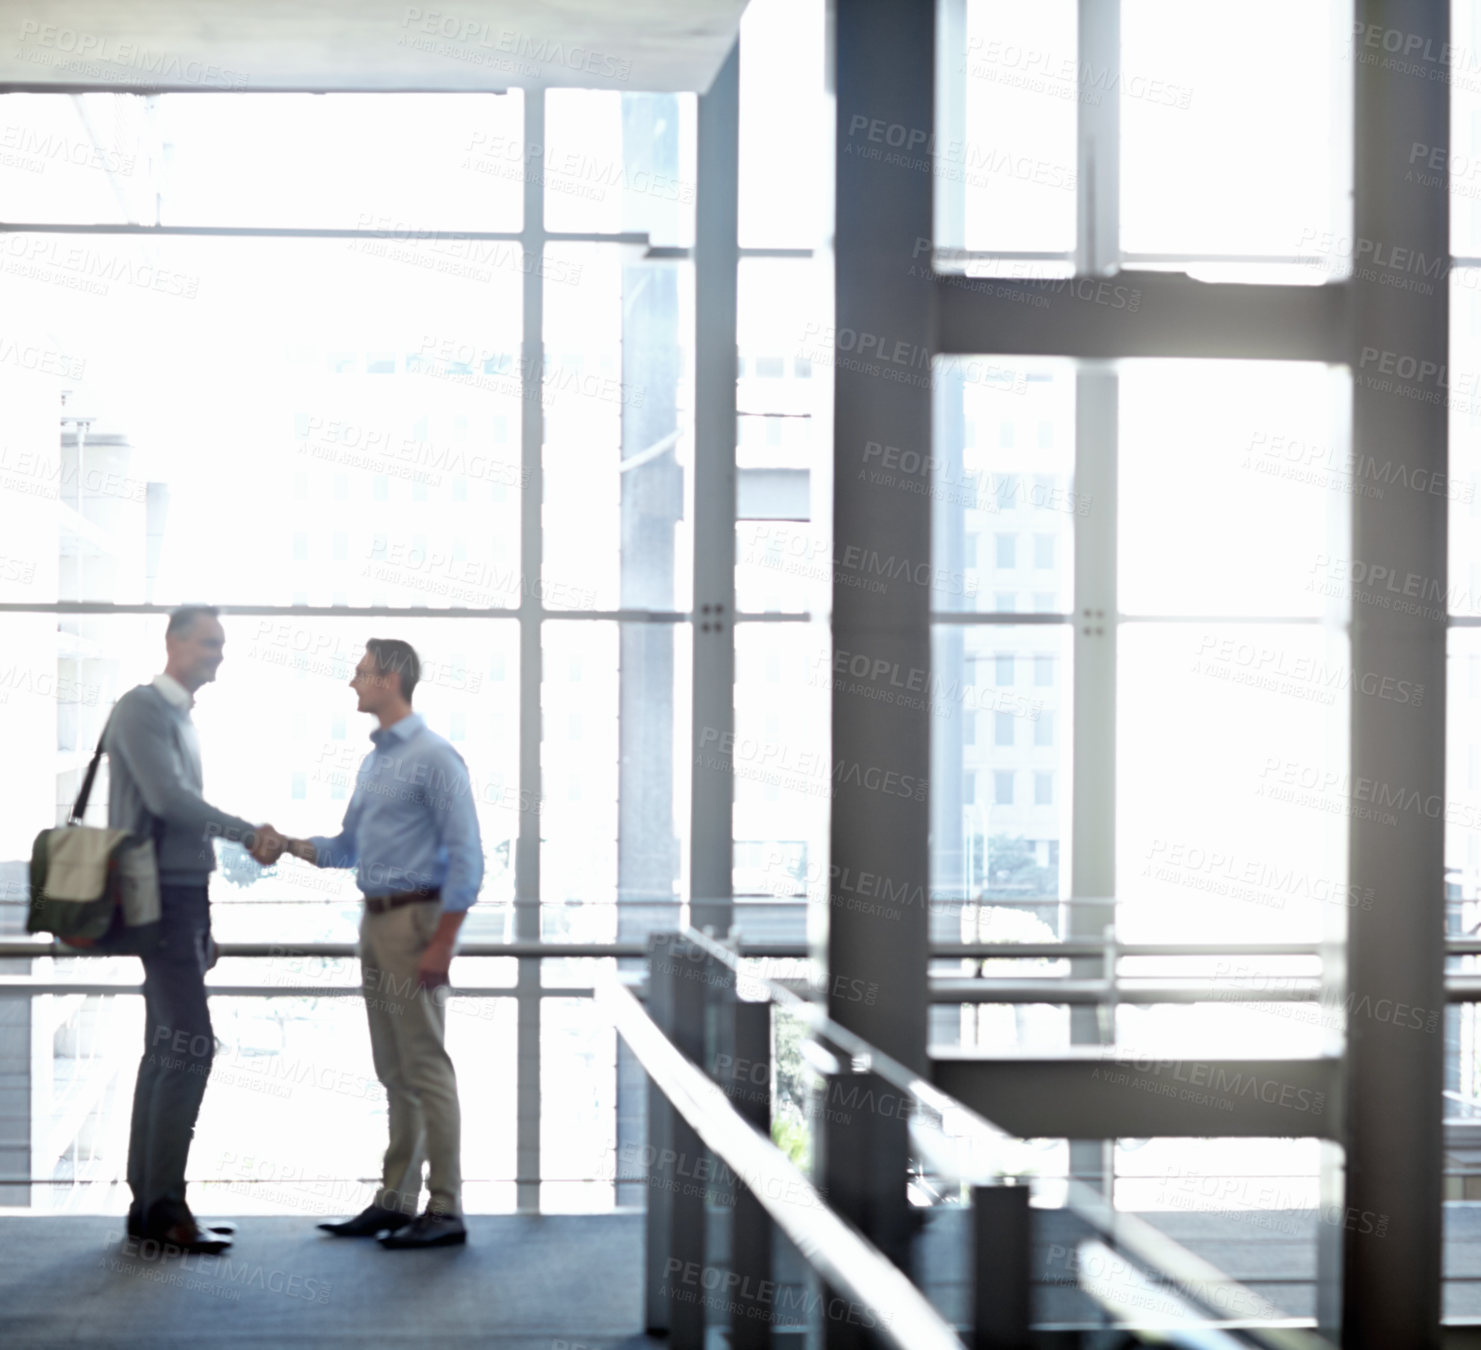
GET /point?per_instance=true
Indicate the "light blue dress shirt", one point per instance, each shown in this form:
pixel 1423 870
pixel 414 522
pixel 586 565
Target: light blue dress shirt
pixel 411 822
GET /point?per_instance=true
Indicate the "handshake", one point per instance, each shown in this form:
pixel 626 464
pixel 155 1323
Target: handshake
pixel 268 845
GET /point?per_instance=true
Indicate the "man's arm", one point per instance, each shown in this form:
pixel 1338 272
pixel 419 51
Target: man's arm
pixel 340 850
pixel 140 738
pixel 432 969
pixel 456 824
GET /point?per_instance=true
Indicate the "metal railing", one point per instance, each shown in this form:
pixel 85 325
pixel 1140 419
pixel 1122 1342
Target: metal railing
pixel 890 1302
pixel 690 1039
pixel 1124 1236
pixel 1111 987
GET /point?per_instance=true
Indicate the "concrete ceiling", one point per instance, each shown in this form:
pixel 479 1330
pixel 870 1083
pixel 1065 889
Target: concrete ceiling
pixel 438 45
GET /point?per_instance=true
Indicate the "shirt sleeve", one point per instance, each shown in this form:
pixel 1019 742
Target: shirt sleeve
pixel 456 823
pixel 141 738
pixel 342 849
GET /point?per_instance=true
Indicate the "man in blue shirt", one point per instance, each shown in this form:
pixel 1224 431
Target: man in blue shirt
pixel 411 833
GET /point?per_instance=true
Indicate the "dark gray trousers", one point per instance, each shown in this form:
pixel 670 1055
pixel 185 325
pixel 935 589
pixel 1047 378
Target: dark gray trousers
pixel 178 1048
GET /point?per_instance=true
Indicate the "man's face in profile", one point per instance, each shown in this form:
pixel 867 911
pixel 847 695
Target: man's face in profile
pixel 198 651
pixel 370 686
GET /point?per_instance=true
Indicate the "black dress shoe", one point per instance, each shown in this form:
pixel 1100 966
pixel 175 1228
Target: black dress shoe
pixel 187 1238
pixel 429 1230
pixel 135 1226
pixel 368 1222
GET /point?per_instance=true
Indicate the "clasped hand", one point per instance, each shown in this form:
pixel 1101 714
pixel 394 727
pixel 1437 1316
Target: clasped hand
pixel 267 845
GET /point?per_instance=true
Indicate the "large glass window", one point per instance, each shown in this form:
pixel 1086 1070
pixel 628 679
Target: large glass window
pixel 785 556
pixel 1006 179
pixel 1004 450
pixel 1244 189
pixel 1229 767
pixel 330 437
pixel 351 424
pixel 617 163
pixel 785 128
pixel 310 161
pixel 1136 144
pixel 1261 445
pixel 1232 806
pixel 1000 499
pixel 618 461
pixel 784 776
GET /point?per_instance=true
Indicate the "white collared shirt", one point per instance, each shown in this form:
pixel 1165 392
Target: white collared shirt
pixel 182 700
pixel 175 693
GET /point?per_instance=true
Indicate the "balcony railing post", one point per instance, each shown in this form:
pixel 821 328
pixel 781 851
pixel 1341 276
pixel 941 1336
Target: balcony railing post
pixel 658 1220
pixel 674 1287
pixel 861 1127
pixel 1001 1232
pixel 746 1078
pixel 678 1289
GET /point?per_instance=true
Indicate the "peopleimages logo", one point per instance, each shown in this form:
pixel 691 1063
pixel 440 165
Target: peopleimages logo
pixel 1287 780
pixel 44 148
pixel 474 32
pixel 76 267
pixel 1225 873
pixel 1225 1084
pixel 798 769
pixel 101 55
pixel 907 147
pixel 1303 461
pixel 1262 666
pixel 1386 587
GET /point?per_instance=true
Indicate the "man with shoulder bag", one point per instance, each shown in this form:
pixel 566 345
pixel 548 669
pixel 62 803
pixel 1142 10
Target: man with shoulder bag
pixel 155 786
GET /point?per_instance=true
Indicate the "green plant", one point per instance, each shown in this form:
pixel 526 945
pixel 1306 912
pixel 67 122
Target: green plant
pixel 791 1137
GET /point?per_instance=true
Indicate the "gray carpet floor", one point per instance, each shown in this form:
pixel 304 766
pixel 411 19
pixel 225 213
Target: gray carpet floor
pixel 521 1283
pixel 527 1282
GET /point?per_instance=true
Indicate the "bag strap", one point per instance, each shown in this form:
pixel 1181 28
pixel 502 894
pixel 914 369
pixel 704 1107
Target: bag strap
pixel 79 807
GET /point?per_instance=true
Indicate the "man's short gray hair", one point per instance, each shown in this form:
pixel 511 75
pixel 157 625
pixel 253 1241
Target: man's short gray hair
pixel 182 620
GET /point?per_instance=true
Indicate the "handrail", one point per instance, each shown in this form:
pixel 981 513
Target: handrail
pixel 1460 987
pixel 1186 1270
pixel 1154 1249
pixel 827 1242
pixel 27 984
pixel 23 947
pixel 1106 1279
pixel 939 951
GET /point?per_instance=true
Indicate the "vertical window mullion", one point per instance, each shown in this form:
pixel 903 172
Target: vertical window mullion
pixel 527 846
pixel 950 206
pixel 1093 780
pixel 1093 785
pixel 1098 138
pixel 716 281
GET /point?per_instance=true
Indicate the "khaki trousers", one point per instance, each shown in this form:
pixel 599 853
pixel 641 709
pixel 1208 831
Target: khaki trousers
pixel 406 1034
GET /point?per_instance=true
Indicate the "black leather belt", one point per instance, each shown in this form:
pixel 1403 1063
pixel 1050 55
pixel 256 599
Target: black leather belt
pixel 379 904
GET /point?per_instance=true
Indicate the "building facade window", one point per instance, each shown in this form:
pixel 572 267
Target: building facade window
pixel 1004 727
